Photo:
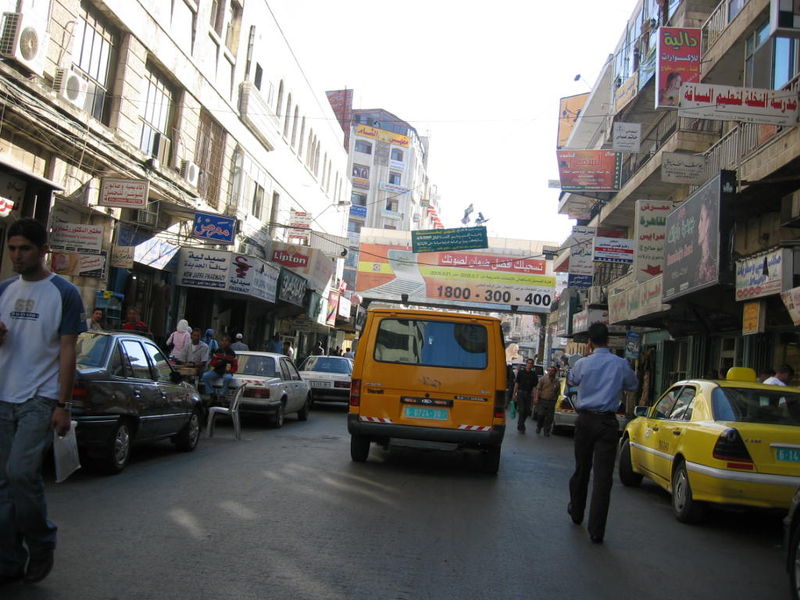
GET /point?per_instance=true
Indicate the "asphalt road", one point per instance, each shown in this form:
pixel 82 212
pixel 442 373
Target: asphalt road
pixel 286 514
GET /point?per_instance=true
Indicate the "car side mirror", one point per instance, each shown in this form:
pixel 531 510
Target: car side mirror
pixel 640 411
pixel 175 377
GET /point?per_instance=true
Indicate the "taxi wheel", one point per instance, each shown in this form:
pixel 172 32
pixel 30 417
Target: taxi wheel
pixel 627 475
pixel 685 508
pixel 359 448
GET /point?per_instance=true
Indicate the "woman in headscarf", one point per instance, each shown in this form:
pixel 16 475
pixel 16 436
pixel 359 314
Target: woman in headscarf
pixel 179 338
pixel 209 340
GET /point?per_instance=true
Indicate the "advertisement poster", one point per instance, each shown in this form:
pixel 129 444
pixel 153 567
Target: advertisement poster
pixel 626 137
pixel 441 240
pixel 569 109
pixel 763 275
pixel 649 231
pixel 453 278
pixel 76 237
pixel 614 250
pixel 332 308
pixel 383 135
pixel 633 345
pixel 79 265
pixel 589 170
pixel 692 247
pixel 678 62
pixel 749 105
pixel 360 178
pixel 581 267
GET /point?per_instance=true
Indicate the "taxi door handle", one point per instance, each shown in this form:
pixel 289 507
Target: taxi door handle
pixel 655 427
pixel 677 431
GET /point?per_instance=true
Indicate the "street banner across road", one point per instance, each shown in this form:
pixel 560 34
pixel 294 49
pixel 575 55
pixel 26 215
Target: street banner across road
pixel 458 238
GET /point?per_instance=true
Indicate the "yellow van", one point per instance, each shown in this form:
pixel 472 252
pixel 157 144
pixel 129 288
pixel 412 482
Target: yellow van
pixel 429 376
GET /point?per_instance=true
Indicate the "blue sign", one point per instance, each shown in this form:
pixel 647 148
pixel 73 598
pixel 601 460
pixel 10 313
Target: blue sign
pixel 633 345
pixel 358 211
pixel 579 281
pixel 214 227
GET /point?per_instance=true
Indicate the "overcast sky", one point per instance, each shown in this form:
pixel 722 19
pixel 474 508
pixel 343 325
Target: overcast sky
pixel 483 80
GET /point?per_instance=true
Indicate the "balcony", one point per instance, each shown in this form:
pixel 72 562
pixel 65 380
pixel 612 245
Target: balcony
pixel 724 38
pixel 258 115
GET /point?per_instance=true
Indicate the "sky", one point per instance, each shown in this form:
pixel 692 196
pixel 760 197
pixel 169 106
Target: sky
pixel 482 80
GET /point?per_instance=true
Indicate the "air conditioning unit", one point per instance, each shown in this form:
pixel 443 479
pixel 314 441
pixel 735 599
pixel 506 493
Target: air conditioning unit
pixel 191 173
pixel 146 217
pixel 71 86
pixel 597 295
pixel 162 150
pixel 24 39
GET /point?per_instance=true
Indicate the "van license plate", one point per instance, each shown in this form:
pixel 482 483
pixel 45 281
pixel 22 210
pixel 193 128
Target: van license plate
pixel 422 412
pixel 788 454
pixel 321 384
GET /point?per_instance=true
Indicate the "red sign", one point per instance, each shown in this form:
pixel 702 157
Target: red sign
pixel 678 58
pixel 289 259
pixel 589 170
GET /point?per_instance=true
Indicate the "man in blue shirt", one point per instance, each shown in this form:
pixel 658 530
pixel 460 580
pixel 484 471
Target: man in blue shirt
pixel 600 378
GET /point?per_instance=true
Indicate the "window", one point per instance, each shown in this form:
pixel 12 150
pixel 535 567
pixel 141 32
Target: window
pixel 432 343
pixel 91 350
pixel 361 171
pixel 160 363
pixel 93 54
pixel 758 58
pixel 395 178
pixel 209 153
pixel 295 122
pixel 116 364
pixel 279 105
pixel 734 7
pixel 251 364
pixel 259 75
pixel 665 404
pixel 137 359
pixel 234 24
pixel 157 112
pixel 358 199
pixel 397 154
pixel 257 204
pixel 392 204
pixel 682 410
pixel 756 406
pixel 785 62
pixel 286 117
pixel 217 16
pixel 327 364
pixel 363 147
pixel 354 227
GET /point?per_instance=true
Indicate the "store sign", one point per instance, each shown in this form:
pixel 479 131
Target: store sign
pixel 626 137
pixel 638 300
pixel 122 256
pixel 291 288
pixel 309 263
pixel 12 193
pixel 791 300
pixel 679 167
pixel 253 277
pixel 584 318
pixel 614 250
pixel 624 94
pixel 204 268
pixel 678 62
pixel 581 267
pixel 358 211
pixel 753 317
pixel 589 170
pixel 228 271
pixel 124 193
pixel 76 237
pixel 649 232
pixel 214 228
pixel 442 240
pixel 300 221
pixel 692 248
pixel 748 105
pixel 382 135
pixel 79 265
pixel 390 187
pixel 763 275
pixel 345 305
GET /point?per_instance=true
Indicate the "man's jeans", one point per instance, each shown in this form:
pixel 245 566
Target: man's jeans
pixel 209 377
pixel 25 435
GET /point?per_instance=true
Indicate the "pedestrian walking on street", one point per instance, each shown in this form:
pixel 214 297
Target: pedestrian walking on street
pixel 600 377
pixel 523 389
pixel 545 398
pixel 41 315
pixel 239 345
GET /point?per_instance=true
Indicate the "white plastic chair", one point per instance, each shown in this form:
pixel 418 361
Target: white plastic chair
pixel 232 411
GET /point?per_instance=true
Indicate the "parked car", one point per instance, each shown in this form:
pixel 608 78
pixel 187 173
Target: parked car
pixel 565 415
pixel 329 377
pixel 125 391
pixel 273 387
pixel 792 546
pixel 733 441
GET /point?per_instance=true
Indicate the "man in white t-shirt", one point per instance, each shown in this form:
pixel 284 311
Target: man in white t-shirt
pixel 41 315
pixel 783 375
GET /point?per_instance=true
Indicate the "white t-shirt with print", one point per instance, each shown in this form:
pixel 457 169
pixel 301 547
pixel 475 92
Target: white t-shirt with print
pixel 36 314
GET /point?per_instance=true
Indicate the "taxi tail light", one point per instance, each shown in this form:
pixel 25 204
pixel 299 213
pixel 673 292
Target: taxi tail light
pixel 730 447
pixel 500 404
pixel 355 392
pixel 341 384
pixel 253 392
pixel 80 393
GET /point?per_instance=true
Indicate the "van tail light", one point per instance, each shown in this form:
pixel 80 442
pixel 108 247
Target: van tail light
pixel 355 392
pixel 730 447
pixel 80 393
pixel 500 404
pixel 341 384
pixel 256 392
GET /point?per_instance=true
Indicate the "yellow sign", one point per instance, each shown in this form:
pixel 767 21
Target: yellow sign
pixel 753 317
pixel 626 92
pixel 568 112
pixel 382 135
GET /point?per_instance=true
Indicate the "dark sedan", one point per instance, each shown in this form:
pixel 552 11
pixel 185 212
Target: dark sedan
pixel 125 391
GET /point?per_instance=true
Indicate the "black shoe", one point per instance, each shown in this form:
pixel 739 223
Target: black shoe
pixel 596 539
pixel 39 567
pixel 576 520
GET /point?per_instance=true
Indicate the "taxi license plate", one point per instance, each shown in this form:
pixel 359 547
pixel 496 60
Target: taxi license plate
pixel 322 384
pixel 788 454
pixel 423 412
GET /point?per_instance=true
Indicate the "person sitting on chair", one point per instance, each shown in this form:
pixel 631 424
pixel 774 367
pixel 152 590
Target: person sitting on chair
pixel 223 365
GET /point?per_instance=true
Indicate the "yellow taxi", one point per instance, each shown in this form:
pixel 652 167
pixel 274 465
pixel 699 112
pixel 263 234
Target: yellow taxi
pixel 565 415
pixel 732 441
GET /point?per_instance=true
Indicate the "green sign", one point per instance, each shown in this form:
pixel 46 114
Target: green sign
pixel 445 240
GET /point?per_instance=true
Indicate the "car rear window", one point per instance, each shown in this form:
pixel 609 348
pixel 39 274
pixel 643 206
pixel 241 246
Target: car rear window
pixel 756 406
pixel 432 343
pixel 262 366
pixel 91 350
pixel 325 364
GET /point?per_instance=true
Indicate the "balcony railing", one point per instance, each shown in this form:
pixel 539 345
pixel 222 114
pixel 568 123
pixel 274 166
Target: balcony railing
pixel 718 21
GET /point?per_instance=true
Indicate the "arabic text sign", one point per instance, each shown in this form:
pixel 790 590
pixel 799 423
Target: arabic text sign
pixel 214 227
pixel 678 55
pixel 753 317
pixel 76 237
pixel 650 221
pixel 750 105
pixel 382 135
pixel 309 263
pixel 791 299
pixel 122 256
pixel 589 170
pixel 580 256
pixel 627 137
pixel 679 167
pixel 440 240
pixel 616 250
pixel 124 193
pixel 76 264
pixel 204 268
pixel 358 211
pixel 762 275
pixel 252 276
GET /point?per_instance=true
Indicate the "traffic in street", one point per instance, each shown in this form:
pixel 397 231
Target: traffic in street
pixel 285 513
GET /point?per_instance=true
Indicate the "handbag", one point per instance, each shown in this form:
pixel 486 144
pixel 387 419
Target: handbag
pixel 65 452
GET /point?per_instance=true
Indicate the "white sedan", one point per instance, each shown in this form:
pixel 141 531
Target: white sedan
pixel 273 387
pixel 329 377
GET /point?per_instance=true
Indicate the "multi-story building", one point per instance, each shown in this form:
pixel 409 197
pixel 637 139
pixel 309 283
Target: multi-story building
pixel 711 194
pixel 388 166
pixel 144 133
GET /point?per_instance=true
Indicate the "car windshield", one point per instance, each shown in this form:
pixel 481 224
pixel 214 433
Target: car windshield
pixel 432 343
pixel 91 350
pixel 326 364
pixel 252 364
pixel 756 406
